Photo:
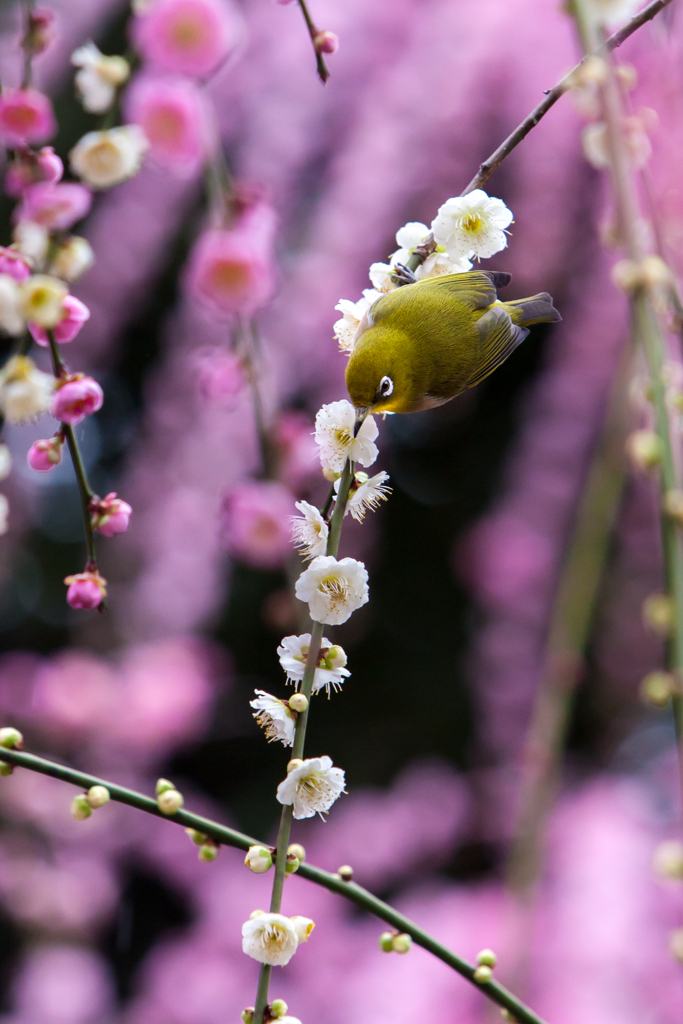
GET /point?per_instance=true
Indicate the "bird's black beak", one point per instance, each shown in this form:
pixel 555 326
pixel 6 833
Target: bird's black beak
pixel 360 418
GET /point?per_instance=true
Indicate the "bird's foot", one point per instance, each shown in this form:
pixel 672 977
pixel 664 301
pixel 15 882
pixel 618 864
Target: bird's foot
pixel 403 275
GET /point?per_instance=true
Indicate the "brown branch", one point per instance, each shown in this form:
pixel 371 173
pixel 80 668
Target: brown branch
pixel 493 162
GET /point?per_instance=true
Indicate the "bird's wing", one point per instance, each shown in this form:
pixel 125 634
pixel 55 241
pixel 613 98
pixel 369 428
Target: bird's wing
pixel 476 288
pixel 498 337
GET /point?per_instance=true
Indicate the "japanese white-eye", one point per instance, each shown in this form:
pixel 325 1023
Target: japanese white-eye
pixel 424 343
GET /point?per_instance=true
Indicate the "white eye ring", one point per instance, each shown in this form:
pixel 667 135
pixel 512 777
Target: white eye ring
pixel 386 386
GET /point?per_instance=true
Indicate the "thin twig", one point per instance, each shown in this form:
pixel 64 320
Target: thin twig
pixel 323 70
pixel 85 490
pixel 230 837
pixel 493 162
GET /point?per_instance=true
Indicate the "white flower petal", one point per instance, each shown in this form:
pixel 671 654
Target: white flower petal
pixel 331 671
pixel 275 718
pixel 270 939
pixel 311 788
pixel 333 589
pixel 472 225
pixel 309 531
pixel 334 426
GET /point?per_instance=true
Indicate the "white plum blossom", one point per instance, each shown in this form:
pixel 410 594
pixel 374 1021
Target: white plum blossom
pixel 270 939
pixel 25 391
pixel 365 494
pixel 11 320
pixel 4 514
pixel 275 717
pixel 32 240
pixel 334 426
pixel 303 926
pixel 331 670
pixel 41 299
pixel 333 589
pixel 312 787
pixel 596 149
pixel 352 314
pixel 99 77
pixel 380 278
pixel 106 158
pixel 472 225
pixel 73 258
pixel 309 530
pixel 440 262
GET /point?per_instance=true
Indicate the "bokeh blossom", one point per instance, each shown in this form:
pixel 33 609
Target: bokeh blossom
pixel 98 78
pixel 76 399
pixel 25 391
pixel 172 114
pixel 76 313
pixel 107 158
pixel 186 37
pixel 56 206
pixel 25 116
pixel 257 523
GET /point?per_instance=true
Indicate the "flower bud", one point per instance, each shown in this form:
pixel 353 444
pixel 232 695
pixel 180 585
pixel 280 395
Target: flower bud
pixel 483 974
pixel 627 275
pixel 86 590
pixel 668 859
pixel 11 739
pixel 298 702
pixel 170 801
pixel 303 927
pixel 386 942
pixel 297 850
pixel 98 796
pixel 208 851
pixel 256 913
pixel 198 838
pixel 162 786
pixel 330 474
pixel 672 503
pixel 44 455
pixel 278 1008
pixel 248 1015
pixel 296 762
pixel 645 449
pixel 258 859
pixel 75 399
pixel 657 688
pixel 655 272
pixel 627 75
pixel 506 1015
pixel 326 42
pixel 487 958
pixel 402 943
pixel 80 808
pixel 291 864
pixel 345 872
pixel 41 300
pixel 72 259
pixel 659 614
pixel 6 769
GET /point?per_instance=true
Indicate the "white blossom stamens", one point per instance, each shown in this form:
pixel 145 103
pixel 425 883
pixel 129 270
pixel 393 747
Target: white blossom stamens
pixel 270 939
pixel 334 427
pixel 472 225
pixel 309 531
pixel 331 670
pixel 312 787
pixel 275 718
pixel 366 493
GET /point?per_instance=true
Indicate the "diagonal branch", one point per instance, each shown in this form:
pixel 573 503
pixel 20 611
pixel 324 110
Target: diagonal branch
pixel 493 162
pixel 230 837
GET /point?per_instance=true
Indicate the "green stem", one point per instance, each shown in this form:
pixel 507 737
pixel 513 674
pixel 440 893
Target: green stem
pixel 286 817
pixel 323 70
pixel 85 490
pixel 230 837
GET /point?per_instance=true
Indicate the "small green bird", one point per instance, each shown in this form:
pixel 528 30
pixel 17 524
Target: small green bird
pixel 424 343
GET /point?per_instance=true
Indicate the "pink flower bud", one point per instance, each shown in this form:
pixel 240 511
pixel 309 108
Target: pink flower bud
pixel 45 455
pixel 40 32
pixel 76 399
pixel 14 264
pixel 110 515
pixel 55 206
pixel 75 315
pixel 86 589
pixel 25 116
pixel 326 42
pixel 32 168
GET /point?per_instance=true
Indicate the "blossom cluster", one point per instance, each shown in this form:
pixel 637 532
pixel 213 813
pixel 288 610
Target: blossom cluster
pixel 465 228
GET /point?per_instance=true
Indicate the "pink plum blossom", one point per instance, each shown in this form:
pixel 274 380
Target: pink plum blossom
pixel 56 206
pixel 257 523
pixel 231 270
pixel 78 398
pixel 219 373
pixel 185 37
pixel 75 315
pixel 31 168
pixel 44 455
pixel 14 264
pixel 110 515
pixel 172 114
pixel 86 589
pixel 25 116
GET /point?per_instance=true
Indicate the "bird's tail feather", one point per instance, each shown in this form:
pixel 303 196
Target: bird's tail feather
pixel 538 309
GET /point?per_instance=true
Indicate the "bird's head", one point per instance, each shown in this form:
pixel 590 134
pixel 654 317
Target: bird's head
pixel 378 374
